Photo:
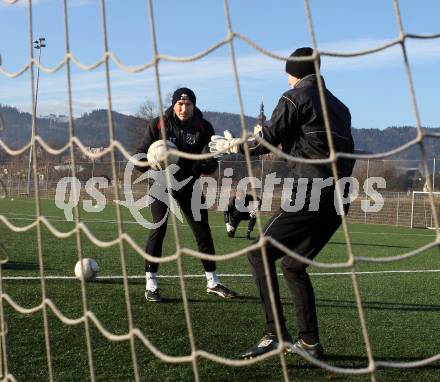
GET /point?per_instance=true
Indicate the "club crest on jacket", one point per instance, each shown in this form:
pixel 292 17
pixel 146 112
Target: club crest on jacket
pixel 190 139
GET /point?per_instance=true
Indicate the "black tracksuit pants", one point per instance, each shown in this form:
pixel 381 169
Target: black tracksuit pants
pixel 306 233
pixel 200 229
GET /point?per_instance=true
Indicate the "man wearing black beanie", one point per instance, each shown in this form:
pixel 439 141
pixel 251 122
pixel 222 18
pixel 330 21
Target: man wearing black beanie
pixel 183 94
pixel 300 69
pixel 297 124
pixel 184 125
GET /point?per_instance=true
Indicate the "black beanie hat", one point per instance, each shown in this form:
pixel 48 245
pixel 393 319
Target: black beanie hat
pixel 300 69
pixel 184 94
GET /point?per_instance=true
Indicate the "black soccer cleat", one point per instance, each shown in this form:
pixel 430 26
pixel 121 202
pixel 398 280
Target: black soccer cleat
pixel 153 296
pixel 231 233
pixel 267 343
pixel 301 348
pixel 222 291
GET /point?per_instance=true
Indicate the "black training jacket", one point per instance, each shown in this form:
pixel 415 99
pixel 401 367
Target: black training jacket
pixel 193 136
pixel 297 123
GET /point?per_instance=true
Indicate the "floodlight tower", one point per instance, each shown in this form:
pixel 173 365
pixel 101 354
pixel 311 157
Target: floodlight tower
pixel 38 44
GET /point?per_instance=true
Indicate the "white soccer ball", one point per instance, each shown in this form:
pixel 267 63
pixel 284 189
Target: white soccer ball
pixel 90 269
pixel 157 152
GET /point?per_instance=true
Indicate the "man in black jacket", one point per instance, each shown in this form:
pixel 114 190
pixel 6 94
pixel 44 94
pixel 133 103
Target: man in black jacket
pixel 297 123
pixel 185 127
pixel 241 207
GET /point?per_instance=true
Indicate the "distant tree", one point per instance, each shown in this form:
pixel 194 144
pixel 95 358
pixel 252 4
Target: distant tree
pixel 396 179
pixel 2 123
pixel 147 110
pixel 168 100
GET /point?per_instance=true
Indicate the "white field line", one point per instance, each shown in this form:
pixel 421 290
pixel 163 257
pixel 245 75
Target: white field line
pixel 57 219
pixel 223 275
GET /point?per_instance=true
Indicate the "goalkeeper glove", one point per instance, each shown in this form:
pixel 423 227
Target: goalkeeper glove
pixel 226 143
pixel 253 213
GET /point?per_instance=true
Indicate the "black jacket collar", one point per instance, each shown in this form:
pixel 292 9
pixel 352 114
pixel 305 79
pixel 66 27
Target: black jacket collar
pixel 310 80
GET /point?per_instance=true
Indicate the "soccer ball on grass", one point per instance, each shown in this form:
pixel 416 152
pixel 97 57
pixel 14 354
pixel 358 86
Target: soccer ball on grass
pixel 90 269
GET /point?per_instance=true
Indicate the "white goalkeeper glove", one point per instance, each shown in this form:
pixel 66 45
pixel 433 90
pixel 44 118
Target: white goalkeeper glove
pixel 223 145
pixel 229 227
pixel 253 213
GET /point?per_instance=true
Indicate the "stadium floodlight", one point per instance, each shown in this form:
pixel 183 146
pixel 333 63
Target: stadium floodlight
pixel 38 44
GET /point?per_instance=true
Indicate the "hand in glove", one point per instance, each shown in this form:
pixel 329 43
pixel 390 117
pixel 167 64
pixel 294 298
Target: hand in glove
pixel 223 145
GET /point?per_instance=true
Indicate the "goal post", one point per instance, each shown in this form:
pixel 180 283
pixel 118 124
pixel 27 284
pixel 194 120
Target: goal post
pixel 421 211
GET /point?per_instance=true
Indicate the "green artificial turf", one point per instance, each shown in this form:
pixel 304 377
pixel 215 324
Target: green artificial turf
pixel 401 308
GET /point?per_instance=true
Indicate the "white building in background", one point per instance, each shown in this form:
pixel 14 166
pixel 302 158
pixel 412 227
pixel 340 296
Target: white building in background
pixel 54 119
pixel 62 118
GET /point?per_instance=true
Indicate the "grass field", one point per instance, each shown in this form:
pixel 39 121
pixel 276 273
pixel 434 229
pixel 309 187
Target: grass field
pixel 402 308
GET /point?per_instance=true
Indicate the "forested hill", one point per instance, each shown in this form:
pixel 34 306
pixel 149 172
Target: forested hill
pixel 92 130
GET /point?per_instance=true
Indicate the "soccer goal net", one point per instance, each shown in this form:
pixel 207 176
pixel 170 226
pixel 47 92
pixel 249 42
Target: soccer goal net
pixel 423 210
pixel 55 327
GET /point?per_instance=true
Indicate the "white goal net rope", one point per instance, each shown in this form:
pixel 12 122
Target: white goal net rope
pixel 133 334
pixel 422 215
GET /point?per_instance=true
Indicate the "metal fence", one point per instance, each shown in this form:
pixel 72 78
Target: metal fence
pixel 402 178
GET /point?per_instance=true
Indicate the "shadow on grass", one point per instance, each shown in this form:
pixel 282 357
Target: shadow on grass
pixel 362 361
pixel 119 281
pixel 190 291
pixel 355 361
pixel 369 244
pixel 378 305
pixel 19 266
pixel 209 300
pixel 244 237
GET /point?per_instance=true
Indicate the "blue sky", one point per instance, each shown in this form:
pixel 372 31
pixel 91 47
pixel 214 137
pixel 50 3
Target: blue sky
pixel 375 86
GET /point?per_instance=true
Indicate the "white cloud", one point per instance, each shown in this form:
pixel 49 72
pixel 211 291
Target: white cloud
pixel 420 52
pixel 209 74
pixel 22 3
